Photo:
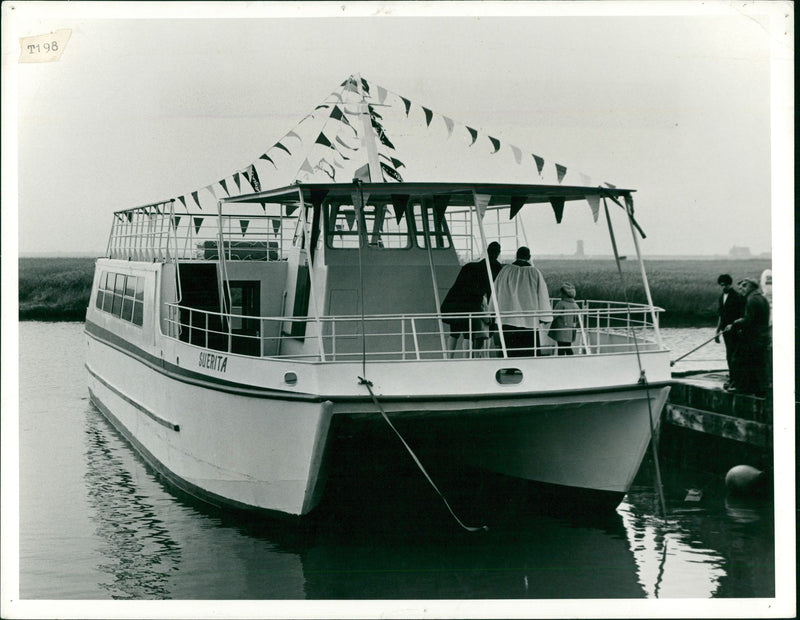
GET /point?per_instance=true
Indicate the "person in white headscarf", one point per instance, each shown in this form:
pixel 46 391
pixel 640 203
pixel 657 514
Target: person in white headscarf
pixel 520 289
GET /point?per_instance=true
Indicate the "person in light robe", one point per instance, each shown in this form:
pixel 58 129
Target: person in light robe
pixel 520 289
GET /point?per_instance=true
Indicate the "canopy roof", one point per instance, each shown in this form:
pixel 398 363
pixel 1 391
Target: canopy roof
pixel 460 194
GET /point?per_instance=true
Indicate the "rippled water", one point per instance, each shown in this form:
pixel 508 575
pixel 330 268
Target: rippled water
pixel 96 523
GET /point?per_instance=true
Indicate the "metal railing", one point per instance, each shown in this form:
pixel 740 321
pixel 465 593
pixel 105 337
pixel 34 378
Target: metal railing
pixel 158 232
pixel 601 328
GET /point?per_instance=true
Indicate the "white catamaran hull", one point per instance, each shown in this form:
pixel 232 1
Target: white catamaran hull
pixel 269 453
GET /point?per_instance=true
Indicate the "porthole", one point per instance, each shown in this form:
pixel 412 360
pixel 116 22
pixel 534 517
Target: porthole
pixel 508 376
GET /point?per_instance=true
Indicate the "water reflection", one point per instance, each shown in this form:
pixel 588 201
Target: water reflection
pixel 137 550
pixel 386 535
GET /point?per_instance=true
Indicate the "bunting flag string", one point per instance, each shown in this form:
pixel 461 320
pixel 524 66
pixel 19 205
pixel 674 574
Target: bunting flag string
pixel 236 180
pixel 269 159
pixel 449 122
pixel 243 224
pixel 495 143
pixel 323 140
pixel 198 221
pixel 196 201
pixel 558 208
pixel 292 134
pixel 224 187
pixel 517 154
pixel 560 172
pixel 253 178
pixel 482 201
pixel 175 220
pixel 183 201
pixel 382 93
pixel 388 170
pixel 428 116
pixel 594 205
pixel 539 164
pixel 406 103
pixel 516 204
pixel 129 215
pixel 276 225
pixel 279 145
pixel 473 133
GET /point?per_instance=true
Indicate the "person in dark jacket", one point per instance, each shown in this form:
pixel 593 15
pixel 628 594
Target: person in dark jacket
pixel 469 293
pixel 751 357
pixel 730 308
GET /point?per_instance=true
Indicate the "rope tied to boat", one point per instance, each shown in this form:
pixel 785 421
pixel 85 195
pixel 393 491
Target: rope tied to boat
pixel 368 384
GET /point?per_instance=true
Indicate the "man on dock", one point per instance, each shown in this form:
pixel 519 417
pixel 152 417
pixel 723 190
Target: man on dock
pixel 751 361
pixel 730 308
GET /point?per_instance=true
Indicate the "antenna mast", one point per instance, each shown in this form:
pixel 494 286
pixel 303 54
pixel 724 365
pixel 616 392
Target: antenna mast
pixel 369 139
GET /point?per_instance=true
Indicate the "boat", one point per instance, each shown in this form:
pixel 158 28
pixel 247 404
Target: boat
pixel 239 351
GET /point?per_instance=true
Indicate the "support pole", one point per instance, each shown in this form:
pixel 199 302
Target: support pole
pixel 313 293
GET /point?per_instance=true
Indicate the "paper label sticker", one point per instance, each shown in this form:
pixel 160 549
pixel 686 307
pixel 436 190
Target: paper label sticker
pixel 44 47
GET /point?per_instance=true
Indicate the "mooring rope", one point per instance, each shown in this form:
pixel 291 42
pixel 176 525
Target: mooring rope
pixel 642 374
pixel 368 384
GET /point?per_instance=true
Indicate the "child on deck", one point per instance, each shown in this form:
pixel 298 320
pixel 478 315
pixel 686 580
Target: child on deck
pixel 562 330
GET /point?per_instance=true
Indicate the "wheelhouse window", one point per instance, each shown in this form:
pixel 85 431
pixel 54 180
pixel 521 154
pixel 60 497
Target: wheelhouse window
pixel 430 219
pixel 380 225
pixel 121 295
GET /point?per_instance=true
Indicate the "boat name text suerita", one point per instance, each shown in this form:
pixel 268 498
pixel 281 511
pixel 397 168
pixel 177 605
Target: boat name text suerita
pixel 213 361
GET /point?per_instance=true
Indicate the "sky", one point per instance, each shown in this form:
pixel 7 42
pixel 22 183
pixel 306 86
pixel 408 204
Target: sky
pixel 675 100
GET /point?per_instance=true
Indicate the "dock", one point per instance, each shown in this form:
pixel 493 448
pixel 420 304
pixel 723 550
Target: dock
pixel 713 429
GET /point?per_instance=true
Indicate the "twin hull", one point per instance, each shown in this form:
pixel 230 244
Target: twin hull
pixel 232 442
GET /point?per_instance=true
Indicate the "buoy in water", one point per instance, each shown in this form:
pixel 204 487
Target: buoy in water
pixel 744 480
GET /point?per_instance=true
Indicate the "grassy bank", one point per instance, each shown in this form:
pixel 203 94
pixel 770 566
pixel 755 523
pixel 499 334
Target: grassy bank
pixel 57 289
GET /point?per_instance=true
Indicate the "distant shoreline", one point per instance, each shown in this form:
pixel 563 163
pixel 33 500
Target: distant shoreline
pixel 58 289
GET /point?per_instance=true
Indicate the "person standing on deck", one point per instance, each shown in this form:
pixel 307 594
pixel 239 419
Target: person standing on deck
pixel 469 293
pixel 562 329
pixel 520 289
pixel 751 357
pixel 729 308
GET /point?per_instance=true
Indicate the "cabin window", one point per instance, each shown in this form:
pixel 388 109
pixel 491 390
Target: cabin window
pixel 426 218
pixel 379 223
pixel 121 295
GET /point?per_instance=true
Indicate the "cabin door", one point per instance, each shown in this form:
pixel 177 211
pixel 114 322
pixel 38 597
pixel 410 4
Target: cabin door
pixel 245 308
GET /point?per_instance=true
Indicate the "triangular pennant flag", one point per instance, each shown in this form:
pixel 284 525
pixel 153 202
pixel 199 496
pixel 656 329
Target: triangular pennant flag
pixel 594 204
pixel 338 115
pixel 428 116
pixel 539 163
pixel 280 145
pixel 269 159
pixel 449 123
pixel 406 103
pixel 364 85
pixel 337 95
pixel 373 112
pixel 291 209
pixel 338 165
pixel 253 178
pixel 197 223
pixel 329 171
pixel 292 134
pixel 517 154
pixel 129 215
pixel 560 172
pixel 382 94
pixel 345 145
pixel 263 206
pixel 276 225
pixel 495 143
pixel 224 187
pixel 196 201
pixel 323 140
pixel 481 202
pixel 558 208
pixel 385 140
pixel 399 202
pixel 473 133
pixel 439 206
pixel 306 167
pixel 350 218
pixel 607 184
pixel 322 106
pixel 362 174
pixel 183 201
pixel 397 163
pixel 586 180
pixel 243 225
pixel 210 188
pixel 237 181
pixel 391 172
pixel 175 220
pixel 516 205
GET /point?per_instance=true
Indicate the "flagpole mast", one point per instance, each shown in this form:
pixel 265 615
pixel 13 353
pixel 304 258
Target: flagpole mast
pixel 368 139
